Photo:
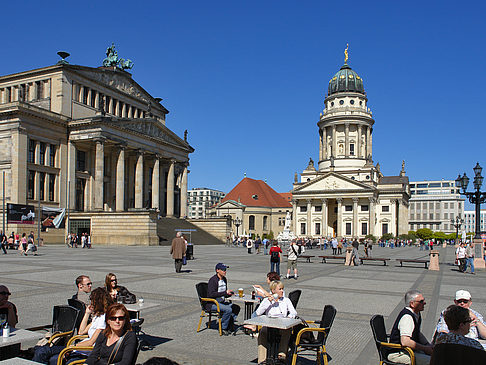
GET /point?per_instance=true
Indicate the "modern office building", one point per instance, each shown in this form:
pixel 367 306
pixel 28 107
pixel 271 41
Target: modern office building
pixel 470 221
pixel 92 140
pixel 433 204
pixel 200 199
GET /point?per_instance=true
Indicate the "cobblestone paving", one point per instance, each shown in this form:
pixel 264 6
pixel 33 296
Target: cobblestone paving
pixel 38 283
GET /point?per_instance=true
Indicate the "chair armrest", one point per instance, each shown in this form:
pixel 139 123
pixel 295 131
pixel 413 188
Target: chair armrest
pixel 61 334
pixel 307 329
pixel 38 328
pixel 401 347
pixel 75 338
pixel 211 300
pixel 62 354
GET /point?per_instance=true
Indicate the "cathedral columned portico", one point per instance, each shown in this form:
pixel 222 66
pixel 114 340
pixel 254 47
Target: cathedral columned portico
pixel 347 195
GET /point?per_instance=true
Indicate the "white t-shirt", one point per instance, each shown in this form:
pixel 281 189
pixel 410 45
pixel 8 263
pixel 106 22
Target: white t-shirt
pixel 461 252
pixel 279 308
pixel 406 325
pixel 98 322
pixel 221 286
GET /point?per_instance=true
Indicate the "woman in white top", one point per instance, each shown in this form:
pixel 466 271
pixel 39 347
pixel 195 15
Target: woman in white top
pixel 279 307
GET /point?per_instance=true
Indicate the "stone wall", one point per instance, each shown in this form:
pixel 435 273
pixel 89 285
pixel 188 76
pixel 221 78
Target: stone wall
pixel 218 227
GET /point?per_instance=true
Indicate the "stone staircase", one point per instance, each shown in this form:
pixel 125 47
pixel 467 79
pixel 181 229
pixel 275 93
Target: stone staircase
pixel 167 228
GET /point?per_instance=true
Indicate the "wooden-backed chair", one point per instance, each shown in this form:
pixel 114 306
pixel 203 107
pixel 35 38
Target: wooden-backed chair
pixel 384 347
pixel 322 327
pixel 202 292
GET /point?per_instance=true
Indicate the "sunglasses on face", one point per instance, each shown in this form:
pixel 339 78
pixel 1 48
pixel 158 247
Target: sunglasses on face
pixel 463 301
pixel 420 301
pixel 5 293
pixel 88 284
pixel 120 318
pixel 113 280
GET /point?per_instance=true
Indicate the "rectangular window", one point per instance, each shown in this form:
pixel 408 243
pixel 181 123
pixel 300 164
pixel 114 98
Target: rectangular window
pixel 85 95
pixel 318 208
pixel 412 206
pixel 446 184
pixel 431 216
pixel 459 205
pixel 364 228
pixel 351 149
pixel 31 155
pixel 446 215
pixel 434 185
pixel 431 206
pixel 93 98
pixel 412 216
pixel 302 228
pixel 31 187
pixel 39 91
pixel 385 208
pixel 52 184
pixel 446 205
pixel 348 208
pixel 80 160
pixel 437 206
pixel 365 208
pixel 452 205
pixel 42 182
pixel 42 155
pixel 52 155
pixel 303 208
pixel 384 228
pixel 348 229
pixel 318 228
pixel 421 185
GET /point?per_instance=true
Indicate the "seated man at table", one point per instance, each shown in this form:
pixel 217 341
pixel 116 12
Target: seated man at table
pixel 218 289
pixel 282 307
pixel 7 307
pixel 84 284
pixel 477 328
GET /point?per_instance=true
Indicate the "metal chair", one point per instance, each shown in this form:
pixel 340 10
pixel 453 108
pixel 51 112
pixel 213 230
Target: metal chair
pixel 64 318
pixel 381 340
pixel 319 344
pixel 453 354
pixel 202 292
pixel 294 297
pixel 79 305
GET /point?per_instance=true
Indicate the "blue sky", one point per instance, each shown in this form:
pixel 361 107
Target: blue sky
pixel 248 79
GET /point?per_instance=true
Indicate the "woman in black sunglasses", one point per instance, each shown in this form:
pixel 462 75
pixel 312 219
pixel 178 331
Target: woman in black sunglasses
pixel 117 344
pixel 7 308
pixel 117 292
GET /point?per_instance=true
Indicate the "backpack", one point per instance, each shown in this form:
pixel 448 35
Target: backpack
pixel 274 257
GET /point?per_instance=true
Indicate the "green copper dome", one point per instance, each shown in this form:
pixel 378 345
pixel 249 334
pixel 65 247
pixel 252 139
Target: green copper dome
pixel 346 80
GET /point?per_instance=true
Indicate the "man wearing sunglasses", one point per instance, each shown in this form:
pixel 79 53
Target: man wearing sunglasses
pixel 477 330
pixel 84 284
pixel 406 331
pixel 7 307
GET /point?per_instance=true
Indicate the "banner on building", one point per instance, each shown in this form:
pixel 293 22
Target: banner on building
pixel 20 214
pixel 52 218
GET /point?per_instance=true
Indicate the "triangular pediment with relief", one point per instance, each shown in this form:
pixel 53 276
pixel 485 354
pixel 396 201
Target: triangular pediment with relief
pixel 228 204
pixel 151 128
pixel 332 182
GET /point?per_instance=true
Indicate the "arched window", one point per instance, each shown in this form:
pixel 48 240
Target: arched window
pixel 265 223
pixel 251 222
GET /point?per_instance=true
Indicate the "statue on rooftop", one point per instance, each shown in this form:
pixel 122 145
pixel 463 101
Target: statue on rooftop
pixel 112 59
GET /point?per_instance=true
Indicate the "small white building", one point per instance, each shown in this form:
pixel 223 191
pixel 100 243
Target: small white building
pixel 200 199
pixel 470 220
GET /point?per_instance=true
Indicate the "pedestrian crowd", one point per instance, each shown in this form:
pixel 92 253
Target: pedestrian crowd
pixel 23 244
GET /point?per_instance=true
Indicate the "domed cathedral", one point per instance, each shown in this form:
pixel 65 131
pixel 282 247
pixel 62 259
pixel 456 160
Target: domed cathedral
pixel 347 195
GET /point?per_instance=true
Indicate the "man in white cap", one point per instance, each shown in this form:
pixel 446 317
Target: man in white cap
pixel 478 327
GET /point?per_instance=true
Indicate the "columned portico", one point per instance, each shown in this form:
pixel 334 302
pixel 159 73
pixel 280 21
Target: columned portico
pixel 170 189
pixel 99 172
pixel 120 180
pixel 183 209
pixel 309 217
pixel 355 217
pixel 372 201
pixel 139 181
pixel 339 216
pixel 324 213
pixel 156 183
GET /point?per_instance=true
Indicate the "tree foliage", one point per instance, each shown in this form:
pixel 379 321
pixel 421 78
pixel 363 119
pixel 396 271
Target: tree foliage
pixel 425 233
pixel 387 236
pixel 370 237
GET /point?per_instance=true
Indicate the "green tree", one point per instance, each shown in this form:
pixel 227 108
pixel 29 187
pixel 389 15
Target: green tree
pixel 413 235
pixel 270 235
pixel 370 237
pixel 440 236
pixel 387 236
pixel 404 236
pixel 425 233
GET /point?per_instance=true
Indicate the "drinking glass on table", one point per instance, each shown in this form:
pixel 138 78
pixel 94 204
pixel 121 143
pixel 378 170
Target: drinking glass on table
pixel 240 292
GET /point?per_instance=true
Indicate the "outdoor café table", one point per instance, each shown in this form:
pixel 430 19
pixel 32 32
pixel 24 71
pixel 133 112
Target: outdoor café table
pixel 10 345
pixel 249 303
pixel 18 361
pixel 273 324
pixel 136 308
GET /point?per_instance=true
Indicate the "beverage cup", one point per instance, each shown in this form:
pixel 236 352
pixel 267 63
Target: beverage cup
pixel 240 292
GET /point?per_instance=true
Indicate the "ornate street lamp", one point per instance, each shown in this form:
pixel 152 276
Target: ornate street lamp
pixel 237 224
pixel 475 197
pixel 457 223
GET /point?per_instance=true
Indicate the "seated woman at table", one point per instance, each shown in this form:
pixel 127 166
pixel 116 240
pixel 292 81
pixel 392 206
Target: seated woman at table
pixel 282 307
pixel 262 293
pixel 117 344
pixel 8 309
pixel 117 292
pixel 100 301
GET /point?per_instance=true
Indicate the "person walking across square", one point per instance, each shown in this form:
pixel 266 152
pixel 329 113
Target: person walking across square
pixel 275 252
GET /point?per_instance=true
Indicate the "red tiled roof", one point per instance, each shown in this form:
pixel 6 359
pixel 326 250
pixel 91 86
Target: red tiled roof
pixel 287 196
pixel 256 193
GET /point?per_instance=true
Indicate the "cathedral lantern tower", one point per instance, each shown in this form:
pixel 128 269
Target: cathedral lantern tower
pixel 346 123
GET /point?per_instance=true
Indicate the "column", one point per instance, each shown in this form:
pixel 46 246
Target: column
pixel 334 142
pixel 324 144
pixel 37 152
pixel 324 217
pixel 120 180
pixel 183 190
pixel 308 231
pixel 71 176
pixel 47 157
pixel 346 139
pixel 19 173
pixel 99 172
pixel 371 229
pixel 139 181
pixel 339 217
pixel 355 217
pixel 393 207
pixel 358 145
pixel 321 146
pixel 294 215
pixel 156 184
pixel 368 134
pixel 170 189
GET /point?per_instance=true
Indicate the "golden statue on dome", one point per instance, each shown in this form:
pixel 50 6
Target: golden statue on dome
pixel 346 53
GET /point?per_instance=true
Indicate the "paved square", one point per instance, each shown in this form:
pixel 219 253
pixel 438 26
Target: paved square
pixel 38 283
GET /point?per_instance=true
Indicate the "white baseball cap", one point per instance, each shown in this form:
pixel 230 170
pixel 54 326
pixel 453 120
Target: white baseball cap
pixel 463 294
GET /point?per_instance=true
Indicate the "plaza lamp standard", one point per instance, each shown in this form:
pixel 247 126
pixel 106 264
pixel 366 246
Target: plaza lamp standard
pixel 237 224
pixel 475 197
pixel 457 223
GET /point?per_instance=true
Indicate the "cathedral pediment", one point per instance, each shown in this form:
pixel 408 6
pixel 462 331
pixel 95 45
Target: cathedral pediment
pixel 151 128
pixel 332 182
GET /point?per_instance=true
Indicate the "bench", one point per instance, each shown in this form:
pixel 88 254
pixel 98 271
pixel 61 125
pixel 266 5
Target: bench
pixel 306 257
pixel 362 259
pixel 414 261
pixel 324 258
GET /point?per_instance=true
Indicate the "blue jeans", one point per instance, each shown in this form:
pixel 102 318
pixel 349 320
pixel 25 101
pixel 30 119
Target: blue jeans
pixel 42 354
pixel 275 266
pixel 227 313
pixel 470 262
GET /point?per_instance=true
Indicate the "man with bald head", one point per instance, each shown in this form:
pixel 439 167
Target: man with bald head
pixel 178 250
pixel 7 307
